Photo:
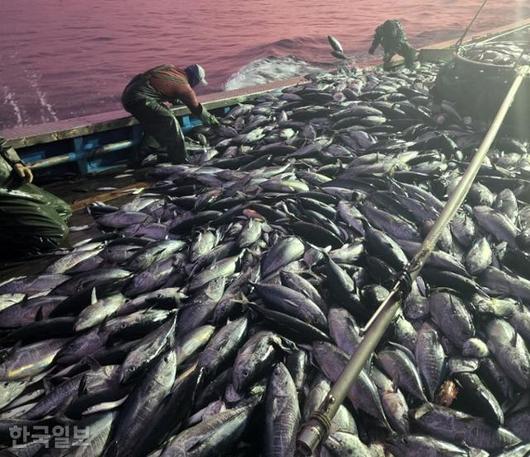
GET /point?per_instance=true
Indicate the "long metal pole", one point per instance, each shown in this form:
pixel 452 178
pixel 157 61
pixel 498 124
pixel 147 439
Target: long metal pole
pixel 317 427
pixel 74 156
pixel 461 39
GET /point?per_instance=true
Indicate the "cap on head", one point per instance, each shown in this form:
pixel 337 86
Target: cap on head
pixel 196 75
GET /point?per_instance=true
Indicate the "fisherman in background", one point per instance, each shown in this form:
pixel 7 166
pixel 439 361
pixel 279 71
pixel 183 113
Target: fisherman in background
pixel 392 37
pixel 146 97
pixel 31 220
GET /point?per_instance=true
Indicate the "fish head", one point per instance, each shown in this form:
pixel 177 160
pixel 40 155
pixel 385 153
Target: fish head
pixel 241 377
pixel 127 372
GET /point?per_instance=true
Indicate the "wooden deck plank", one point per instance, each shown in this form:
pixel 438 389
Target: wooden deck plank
pixel 80 217
pixel 108 196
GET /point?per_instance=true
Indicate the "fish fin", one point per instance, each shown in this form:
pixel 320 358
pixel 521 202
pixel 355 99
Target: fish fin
pixel 287 345
pixel 6 453
pixel 306 347
pixel 243 300
pixel 61 415
pixel 48 386
pixel 93 296
pixel 11 351
pixel 201 376
pixel 429 405
pixel 100 329
pixel 513 342
pixel 92 363
pixel 111 450
pixel 253 253
pixel 356 290
pixel 82 388
pixel 190 269
pixel 406 350
pixel 444 371
pixel 466 446
pixel 40 315
pixel 103 323
pixel 395 382
pixel 171 341
pixel 366 225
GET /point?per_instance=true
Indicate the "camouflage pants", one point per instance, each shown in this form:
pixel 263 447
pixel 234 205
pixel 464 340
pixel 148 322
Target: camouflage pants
pixel 161 127
pixel 31 220
pixel 405 50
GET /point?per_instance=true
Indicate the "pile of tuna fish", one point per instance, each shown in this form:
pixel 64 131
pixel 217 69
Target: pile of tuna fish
pixel 216 309
pixel 498 53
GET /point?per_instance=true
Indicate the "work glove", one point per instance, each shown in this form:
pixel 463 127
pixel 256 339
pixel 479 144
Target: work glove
pixel 208 119
pixel 23 172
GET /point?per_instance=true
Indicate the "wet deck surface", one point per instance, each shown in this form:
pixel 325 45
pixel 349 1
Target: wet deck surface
pixel 79 192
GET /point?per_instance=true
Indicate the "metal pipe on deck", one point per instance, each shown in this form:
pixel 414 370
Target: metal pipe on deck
pixel 317 427
pixel 87 155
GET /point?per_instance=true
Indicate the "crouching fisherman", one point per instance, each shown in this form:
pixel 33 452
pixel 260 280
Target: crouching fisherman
pixel 391 36
pixel 31 220
pixel 145 97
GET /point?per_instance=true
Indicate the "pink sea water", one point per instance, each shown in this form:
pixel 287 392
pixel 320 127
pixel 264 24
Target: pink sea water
pixel 67 58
